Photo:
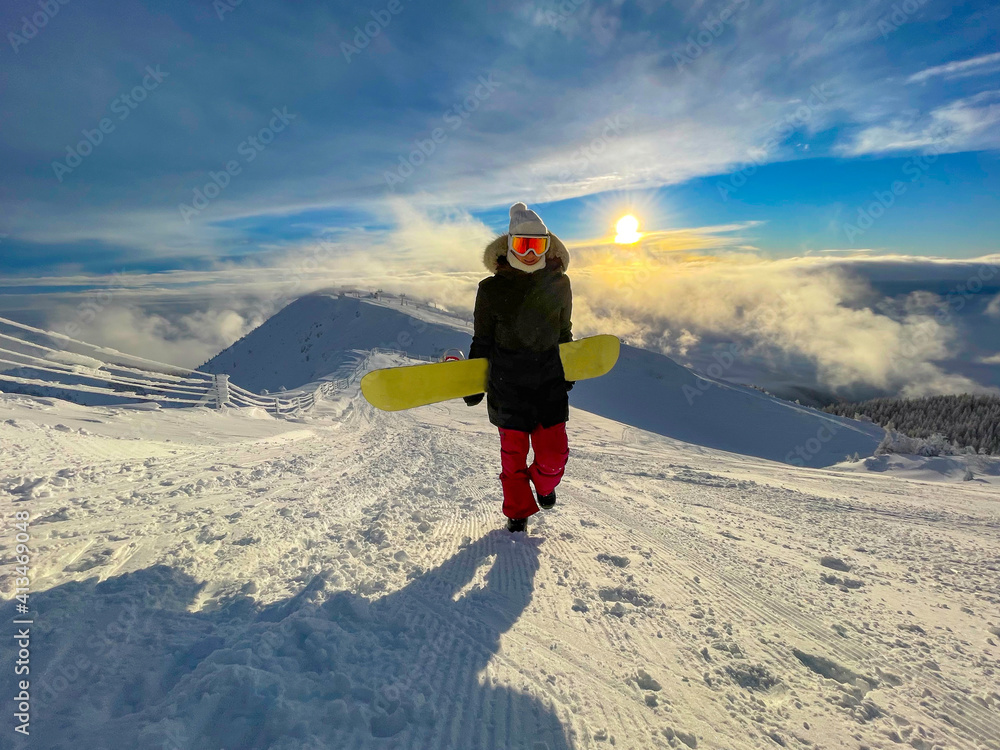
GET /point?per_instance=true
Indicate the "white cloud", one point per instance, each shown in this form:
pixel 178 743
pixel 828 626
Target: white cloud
pixel 787 310
pixel 993 308
pixel 981 65
pixel 700 118
pixel 685 122
pixel 816 318
pixel 971 123
pixel 161 334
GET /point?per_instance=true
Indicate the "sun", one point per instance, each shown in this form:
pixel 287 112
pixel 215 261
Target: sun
pixel 626 229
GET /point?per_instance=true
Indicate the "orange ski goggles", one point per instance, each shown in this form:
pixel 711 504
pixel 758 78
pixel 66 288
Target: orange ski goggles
pixel 522 245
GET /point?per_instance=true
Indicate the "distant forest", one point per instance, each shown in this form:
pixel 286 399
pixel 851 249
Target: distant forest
pixel 966 421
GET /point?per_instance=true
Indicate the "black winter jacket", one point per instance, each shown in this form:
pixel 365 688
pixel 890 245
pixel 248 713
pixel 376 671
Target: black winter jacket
pixel 520 320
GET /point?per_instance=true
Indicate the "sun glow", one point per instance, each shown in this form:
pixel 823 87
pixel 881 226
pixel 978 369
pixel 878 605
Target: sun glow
pixel 626 230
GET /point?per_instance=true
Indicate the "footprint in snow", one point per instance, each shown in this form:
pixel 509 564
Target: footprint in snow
pixel 619 561
pixel 835 563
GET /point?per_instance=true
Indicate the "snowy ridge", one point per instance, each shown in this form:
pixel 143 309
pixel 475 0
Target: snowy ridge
pixel 315 336
pixel 236 581
pixel 320 336
pixel 652 392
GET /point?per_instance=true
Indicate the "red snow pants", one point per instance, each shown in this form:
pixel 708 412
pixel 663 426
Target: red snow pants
pixel 551 451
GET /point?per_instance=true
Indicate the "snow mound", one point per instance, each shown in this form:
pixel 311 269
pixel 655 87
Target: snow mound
pixel 318 337
pixel 957 468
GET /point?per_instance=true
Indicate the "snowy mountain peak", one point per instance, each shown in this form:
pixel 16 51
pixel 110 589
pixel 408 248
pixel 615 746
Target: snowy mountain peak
pixel 322 336
pixel 319 336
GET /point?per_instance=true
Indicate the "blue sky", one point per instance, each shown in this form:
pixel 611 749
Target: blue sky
pixel 587 107
pixel 818 179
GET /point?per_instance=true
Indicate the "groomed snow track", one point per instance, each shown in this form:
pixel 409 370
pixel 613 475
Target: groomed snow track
pixel 235 581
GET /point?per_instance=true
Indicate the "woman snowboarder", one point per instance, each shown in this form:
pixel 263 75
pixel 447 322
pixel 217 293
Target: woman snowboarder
pixel 522 315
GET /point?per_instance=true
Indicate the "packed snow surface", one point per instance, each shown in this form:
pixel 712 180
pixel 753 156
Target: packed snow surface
pixel 206 580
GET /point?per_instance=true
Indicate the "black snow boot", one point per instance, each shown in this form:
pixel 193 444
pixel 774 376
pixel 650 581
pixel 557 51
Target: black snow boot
pixel 517 524
pixel 547 501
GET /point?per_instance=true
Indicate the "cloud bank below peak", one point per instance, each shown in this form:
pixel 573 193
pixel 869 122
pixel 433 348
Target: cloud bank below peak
pixel 853 327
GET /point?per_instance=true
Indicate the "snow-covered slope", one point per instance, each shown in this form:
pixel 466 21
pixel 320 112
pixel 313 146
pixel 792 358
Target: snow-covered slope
pixel 203 581
pixel 652 392
pixel 319 336
pixel 960 468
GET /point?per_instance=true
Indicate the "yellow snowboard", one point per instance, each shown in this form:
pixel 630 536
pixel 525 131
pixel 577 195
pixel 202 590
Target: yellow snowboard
pixel 398 388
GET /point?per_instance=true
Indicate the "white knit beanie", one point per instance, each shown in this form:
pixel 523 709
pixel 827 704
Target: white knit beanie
pixel 524 221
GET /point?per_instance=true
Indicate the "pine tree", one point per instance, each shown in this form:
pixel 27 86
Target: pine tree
pixel 968 421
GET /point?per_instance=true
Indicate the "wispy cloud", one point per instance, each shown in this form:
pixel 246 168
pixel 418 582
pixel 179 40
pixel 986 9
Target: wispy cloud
pixel 798 315
pixel 982 65
pixel 966 124
pixel 588 62
pixel 687 240
pixel 564 69
pixel 187 337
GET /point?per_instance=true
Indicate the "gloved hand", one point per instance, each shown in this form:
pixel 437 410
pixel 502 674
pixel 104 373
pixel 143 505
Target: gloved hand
pixel 473 400
pixel 569 385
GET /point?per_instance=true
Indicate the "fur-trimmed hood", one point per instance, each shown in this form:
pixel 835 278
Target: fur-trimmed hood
pixel 497 249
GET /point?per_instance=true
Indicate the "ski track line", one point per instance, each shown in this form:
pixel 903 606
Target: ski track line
pixel 984 725
pixel 623 645
pixel 722 550
pixel 411 466
pixel 674 548
pixel 906 670
pixel 610 631
pixel 458 708
pixel 501 659
pixel 615 631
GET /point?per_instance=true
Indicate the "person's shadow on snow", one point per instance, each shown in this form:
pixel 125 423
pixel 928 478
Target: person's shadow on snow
pixel 123 663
